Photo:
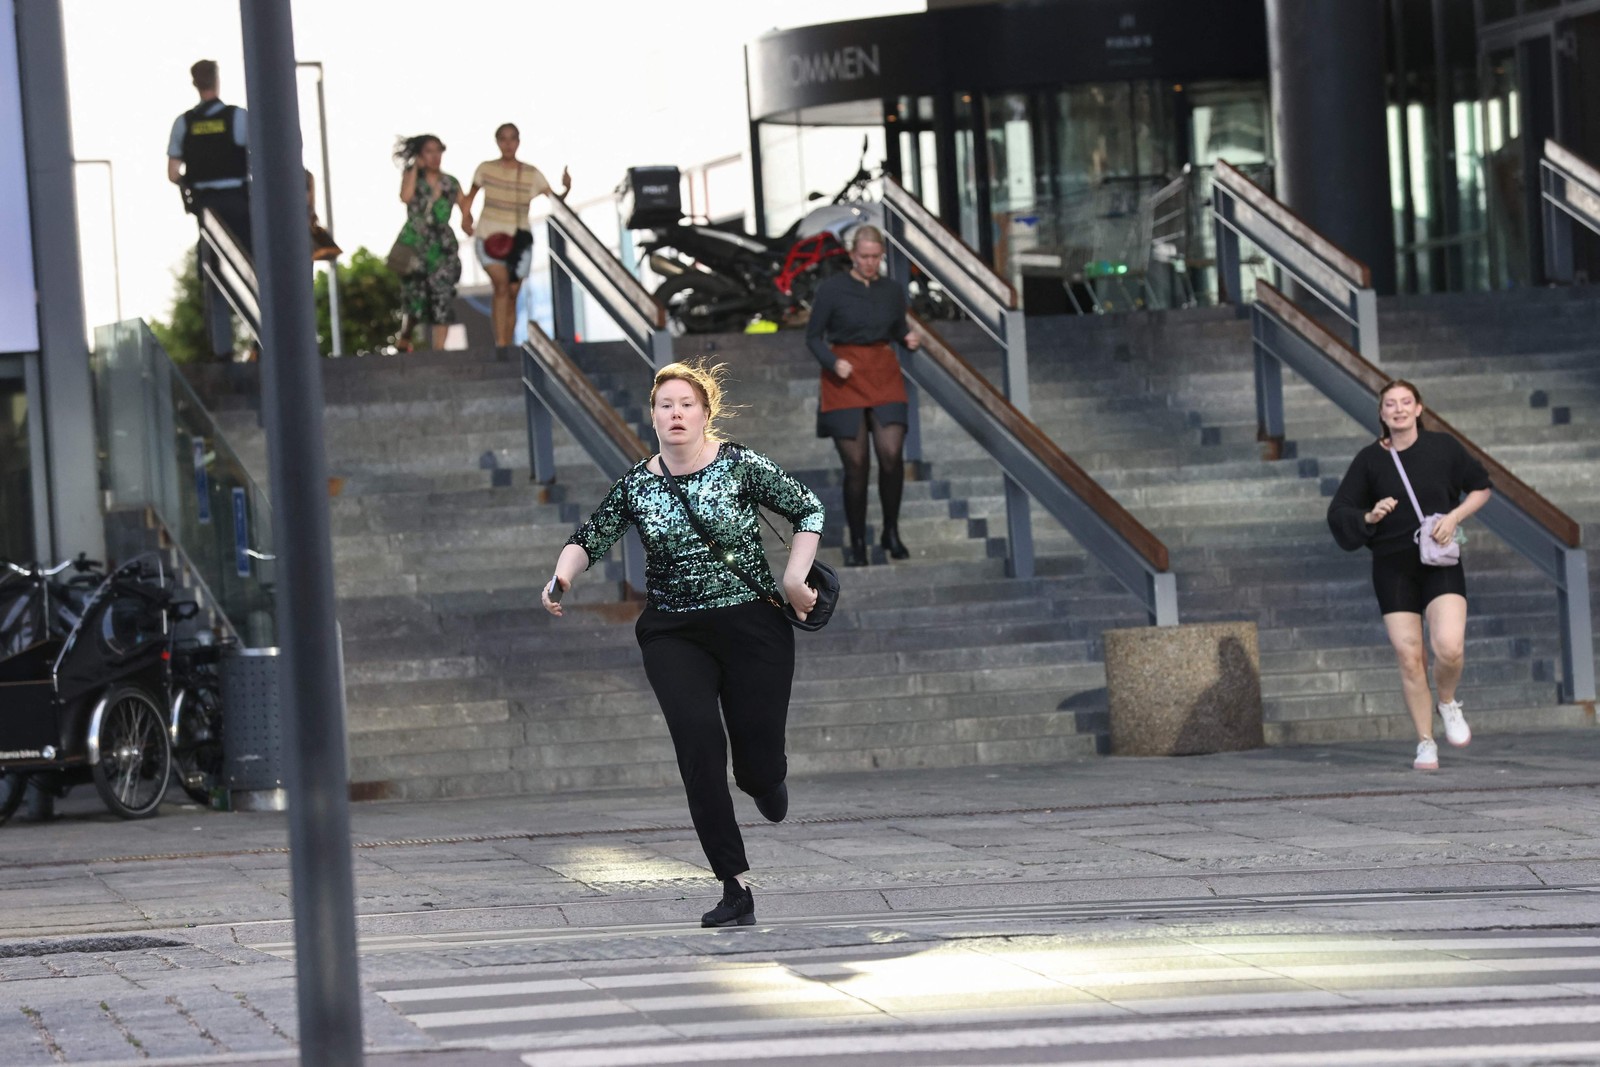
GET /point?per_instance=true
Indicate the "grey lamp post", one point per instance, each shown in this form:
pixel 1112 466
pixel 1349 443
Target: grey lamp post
pixel 337 340
pixel 327 981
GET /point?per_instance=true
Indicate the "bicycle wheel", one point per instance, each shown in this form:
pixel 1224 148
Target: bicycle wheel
pixel 197 753
pixel 130 756
pixel 12 787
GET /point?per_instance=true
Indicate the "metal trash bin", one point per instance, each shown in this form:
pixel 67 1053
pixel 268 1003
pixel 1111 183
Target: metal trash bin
pixel 252 741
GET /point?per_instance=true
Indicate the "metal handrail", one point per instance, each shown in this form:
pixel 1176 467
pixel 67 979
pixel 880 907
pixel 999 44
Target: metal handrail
pixel 1569 191
pixel 1168 209
pixel 554 388
pixel 1541 532
pixel 1134 556
pixel 917 236
pixel 982 293
pixel 231 271
pixel 1242 209
pixel 576 254
pixel 1160 216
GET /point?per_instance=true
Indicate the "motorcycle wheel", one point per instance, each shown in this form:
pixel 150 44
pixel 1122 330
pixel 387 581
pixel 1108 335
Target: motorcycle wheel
pixel 932 303
pixel 12 787
pixel 700 303
pixel 135 761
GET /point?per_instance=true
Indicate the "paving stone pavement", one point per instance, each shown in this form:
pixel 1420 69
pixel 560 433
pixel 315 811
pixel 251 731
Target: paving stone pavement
pixel 168 940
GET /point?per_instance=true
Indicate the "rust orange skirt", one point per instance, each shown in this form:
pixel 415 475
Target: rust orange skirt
pixel 874 378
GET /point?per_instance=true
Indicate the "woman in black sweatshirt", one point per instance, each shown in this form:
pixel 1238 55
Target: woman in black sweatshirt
pixel 1373 509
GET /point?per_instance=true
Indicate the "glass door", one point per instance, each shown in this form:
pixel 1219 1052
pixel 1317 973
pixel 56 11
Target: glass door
pixel 1502 143
pixel 919 150
pixel 971 197
pixel 1013 220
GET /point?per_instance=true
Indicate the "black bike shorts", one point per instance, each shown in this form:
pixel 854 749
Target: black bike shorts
pixel 1403 583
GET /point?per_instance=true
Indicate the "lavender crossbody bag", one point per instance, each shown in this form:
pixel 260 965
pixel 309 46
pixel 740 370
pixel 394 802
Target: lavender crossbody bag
pixel 1433 553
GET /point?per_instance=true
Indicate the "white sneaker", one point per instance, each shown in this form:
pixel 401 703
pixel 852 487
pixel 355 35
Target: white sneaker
pixel 1427 756
pixel 1456 730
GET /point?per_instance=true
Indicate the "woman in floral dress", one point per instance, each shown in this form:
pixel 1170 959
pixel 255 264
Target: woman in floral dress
pixel 430 195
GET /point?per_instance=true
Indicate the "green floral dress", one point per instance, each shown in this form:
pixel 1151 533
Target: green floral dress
pixel 430 296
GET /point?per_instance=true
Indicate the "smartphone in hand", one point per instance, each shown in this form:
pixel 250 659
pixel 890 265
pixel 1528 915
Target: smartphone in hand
pixel 554 590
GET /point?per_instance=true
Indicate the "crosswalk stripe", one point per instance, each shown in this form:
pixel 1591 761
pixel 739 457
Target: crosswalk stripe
pixel 496 989
pixel 765 998
pixel 905 978
pixel 754 974
pixel 1133 1033
pixel 942 917
pixel 1540 1053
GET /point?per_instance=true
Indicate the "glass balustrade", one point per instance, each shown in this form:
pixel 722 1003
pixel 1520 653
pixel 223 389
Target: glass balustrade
pixel 160 449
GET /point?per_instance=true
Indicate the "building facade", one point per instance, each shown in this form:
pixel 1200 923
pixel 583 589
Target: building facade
pixel 1025 126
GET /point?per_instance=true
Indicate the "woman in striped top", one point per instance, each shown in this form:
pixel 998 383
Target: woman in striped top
pixel 509 186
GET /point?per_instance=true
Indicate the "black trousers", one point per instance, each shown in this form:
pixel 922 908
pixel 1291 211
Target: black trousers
pixel 741 658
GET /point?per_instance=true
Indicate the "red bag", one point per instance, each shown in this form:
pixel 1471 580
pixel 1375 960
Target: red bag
pixel 498 245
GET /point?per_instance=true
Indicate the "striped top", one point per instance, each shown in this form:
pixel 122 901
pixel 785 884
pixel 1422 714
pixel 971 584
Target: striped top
pixel 508 189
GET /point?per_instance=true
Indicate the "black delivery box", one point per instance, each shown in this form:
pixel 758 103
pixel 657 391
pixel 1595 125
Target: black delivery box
pixel 650 198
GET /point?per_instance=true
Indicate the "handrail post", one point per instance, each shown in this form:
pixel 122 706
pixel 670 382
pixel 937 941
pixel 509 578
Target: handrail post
pixel 541 440
pixel 1227 242
pixel 1577 628
pixel 1019 531
pixel 1366 327
pixel 1019 515
pixel 1269 390
pixel 563 305
pixel 660 350
pixel 1557 229
pixel 1164 597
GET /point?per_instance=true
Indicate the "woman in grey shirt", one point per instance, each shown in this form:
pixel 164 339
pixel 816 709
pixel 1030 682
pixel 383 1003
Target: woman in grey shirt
pixel 856 320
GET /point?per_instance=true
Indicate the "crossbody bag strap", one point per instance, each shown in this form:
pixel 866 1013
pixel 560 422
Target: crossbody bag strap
pixel 1401 467
pixel 711 542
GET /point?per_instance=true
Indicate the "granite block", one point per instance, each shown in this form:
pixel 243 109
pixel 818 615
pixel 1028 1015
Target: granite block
pixel 1184 690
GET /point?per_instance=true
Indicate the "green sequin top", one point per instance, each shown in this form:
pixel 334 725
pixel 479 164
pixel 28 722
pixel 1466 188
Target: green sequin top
pixel 680 572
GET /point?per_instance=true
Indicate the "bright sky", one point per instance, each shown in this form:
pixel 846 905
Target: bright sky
pixel 597 85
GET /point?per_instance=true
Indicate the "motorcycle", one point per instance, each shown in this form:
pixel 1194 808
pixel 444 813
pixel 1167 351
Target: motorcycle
pixel 718 280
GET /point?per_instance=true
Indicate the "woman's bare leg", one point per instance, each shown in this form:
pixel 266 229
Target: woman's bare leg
pixel 504 303
pixel 1447 636
pixel 440 334
pixel 1405 634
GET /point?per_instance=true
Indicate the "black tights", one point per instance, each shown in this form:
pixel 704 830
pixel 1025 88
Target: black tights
pixel 888 441
pixel 722 677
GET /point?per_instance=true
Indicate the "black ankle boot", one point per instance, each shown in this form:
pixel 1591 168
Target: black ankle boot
pixel 855 554
pixel 737 907
pixel 893 545
pixel 774 805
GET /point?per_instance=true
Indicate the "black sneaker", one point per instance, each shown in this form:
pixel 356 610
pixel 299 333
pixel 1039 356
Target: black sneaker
pixel 737 908
pixel 774 805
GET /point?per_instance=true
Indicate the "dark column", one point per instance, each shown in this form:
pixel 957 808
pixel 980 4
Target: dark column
pixel 322 883
pixel 68 401
pixel 1328 114
pixel 983 205
pixel 944 139
pixel 892 161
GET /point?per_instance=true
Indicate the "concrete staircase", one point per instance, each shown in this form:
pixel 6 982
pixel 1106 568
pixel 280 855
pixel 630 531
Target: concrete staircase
pixel 458 683
pixel 1160 408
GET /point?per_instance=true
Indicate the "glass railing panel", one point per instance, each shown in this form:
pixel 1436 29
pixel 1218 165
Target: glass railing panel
pixel 161 449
